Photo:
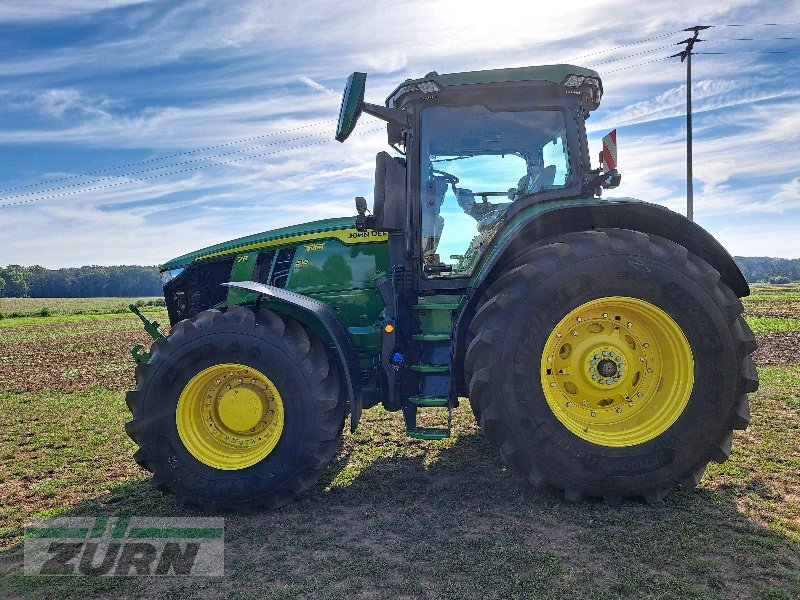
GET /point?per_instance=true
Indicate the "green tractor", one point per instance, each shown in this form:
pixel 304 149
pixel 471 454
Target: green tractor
pixel 600 341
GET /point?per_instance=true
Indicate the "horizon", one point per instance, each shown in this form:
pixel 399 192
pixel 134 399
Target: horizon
pixel 137 131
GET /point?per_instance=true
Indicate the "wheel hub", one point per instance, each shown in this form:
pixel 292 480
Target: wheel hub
pixel 605 366
pixel 240 408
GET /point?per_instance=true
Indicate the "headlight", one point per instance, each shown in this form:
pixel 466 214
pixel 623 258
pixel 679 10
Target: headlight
pixel 170 274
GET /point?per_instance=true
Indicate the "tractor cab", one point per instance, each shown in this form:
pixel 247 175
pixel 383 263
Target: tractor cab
pixel 477 146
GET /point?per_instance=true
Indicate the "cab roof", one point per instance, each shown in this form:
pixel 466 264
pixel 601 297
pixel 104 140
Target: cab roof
pixel 551 73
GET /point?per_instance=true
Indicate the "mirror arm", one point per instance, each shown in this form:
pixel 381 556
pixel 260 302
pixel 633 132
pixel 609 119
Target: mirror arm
pixel 391 115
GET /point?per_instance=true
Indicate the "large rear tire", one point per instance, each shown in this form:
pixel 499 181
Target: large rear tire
pixel 610 364
pixel 235 411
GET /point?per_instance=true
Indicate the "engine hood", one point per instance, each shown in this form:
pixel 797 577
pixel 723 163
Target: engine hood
pixel 341 228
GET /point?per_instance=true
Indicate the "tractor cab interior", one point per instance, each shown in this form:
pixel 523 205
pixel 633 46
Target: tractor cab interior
pixel 475 162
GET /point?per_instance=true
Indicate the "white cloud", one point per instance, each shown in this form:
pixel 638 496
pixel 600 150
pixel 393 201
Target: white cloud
pixel 15 11
pixel 158 80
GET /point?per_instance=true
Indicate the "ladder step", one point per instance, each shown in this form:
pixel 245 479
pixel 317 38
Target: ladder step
pixel 431 337
pixel 429 401
pixel 435 307
pixel 430 368
pixel 428 433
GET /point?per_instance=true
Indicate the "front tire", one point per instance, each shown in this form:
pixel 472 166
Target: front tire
pixel 236 411
pixel 611 364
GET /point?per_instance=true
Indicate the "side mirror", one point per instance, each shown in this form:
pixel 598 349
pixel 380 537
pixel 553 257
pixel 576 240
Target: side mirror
pixel 352 105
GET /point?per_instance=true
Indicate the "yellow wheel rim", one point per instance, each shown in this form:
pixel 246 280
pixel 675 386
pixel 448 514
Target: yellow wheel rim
pixel 229 416
pixel 617 371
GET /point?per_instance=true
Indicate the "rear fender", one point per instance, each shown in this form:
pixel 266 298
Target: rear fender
pixel 545 223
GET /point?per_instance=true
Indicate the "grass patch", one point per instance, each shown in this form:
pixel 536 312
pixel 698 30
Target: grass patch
pixel 14 308
pixel 152 313
pixel 773 324
pixel 772 292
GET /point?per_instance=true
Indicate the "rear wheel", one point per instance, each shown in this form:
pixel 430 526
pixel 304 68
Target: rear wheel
pixel 234 411
pixel 611 364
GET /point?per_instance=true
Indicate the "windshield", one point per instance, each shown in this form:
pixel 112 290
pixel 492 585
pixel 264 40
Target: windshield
pixel 474 164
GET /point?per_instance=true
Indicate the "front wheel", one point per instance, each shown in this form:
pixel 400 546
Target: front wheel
pixel 236 410
pixel 611 364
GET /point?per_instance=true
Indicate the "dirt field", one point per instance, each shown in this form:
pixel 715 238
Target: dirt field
pixel 394 517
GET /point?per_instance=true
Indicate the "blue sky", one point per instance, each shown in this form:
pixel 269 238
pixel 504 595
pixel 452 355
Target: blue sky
pixel 132 131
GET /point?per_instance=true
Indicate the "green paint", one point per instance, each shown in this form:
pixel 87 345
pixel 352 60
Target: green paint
pixel 151 327
pixel 99 527
pixel 519 220
pixel 428 433
pixel 429 401
pixel 552 73
pixel 120 527
pixel 431 337
pixel 435 314
pixel 276 236
pixel 242 270
pixel 430 368
pixel 175 532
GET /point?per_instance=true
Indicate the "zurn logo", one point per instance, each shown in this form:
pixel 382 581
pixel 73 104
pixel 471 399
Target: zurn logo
pixel 105 546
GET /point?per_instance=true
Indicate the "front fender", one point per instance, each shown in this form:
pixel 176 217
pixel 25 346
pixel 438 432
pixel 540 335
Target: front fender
pixel 326 317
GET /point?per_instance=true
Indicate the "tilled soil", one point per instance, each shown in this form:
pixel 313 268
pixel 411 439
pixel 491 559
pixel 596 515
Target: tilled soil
pixel 778 348
pixel 74 356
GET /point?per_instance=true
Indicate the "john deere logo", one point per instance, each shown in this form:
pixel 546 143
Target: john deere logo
pixel 125 546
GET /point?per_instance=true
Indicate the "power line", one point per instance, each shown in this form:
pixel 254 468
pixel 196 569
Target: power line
pixel 178 172
pixel 642 53
pixel 166 157
pixel 169 166
pixel 752 52
pixel 648 62
pixel 758 39
pixel 757 25
pixel 650 39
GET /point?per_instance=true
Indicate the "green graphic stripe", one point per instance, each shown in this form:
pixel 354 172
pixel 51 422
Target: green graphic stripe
pixel 121 527
pixel 175 532
pixel 99 527
pixel 57 532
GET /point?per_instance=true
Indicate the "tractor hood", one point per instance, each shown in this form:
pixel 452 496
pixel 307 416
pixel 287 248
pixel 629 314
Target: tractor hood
pixel 341 228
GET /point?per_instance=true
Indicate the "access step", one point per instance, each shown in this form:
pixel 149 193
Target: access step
pixel 433 306
pixel 431 337
pixel 428 433
pixel 430 368
pixel 429 401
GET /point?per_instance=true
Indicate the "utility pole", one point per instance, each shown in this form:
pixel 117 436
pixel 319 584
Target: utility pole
pixel 686 55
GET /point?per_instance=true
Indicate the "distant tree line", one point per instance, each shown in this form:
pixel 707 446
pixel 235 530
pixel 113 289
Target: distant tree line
pixel 133 280
pixel 79 282
pixel 762 269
